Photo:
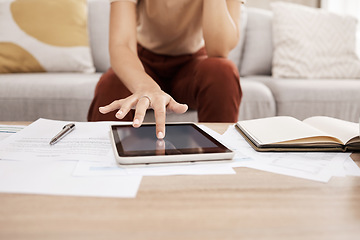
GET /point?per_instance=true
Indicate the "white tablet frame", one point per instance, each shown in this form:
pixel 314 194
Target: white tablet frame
pixel 198 157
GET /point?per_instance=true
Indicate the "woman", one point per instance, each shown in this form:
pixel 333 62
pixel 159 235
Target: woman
pixel 163 52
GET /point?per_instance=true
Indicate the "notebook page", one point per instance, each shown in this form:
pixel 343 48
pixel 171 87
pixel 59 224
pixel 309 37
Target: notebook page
pixel 279 129
pixel 343 130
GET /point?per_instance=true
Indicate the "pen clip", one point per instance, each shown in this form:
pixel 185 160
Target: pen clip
pixel 70 125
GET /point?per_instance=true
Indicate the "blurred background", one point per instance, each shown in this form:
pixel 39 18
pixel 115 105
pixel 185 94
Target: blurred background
pixel 343 7
pixel 266 3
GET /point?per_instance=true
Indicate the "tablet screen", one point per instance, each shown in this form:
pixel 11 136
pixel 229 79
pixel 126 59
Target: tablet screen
pixel 180 139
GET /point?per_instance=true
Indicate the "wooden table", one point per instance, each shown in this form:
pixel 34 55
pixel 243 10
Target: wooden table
pixel 249 205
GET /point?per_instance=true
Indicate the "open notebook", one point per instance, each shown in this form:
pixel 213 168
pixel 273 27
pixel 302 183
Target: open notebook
pixel 289 134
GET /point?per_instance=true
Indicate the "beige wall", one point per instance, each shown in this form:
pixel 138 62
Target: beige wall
pixel 266 3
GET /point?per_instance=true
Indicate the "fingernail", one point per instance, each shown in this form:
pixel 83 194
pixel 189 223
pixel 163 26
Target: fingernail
pixel 119 113
pixel 160 135
pixel 136 122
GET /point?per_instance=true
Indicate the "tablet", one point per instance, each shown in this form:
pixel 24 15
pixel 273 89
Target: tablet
pixel 183 142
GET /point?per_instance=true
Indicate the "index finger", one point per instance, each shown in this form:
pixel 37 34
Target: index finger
pixel 160 116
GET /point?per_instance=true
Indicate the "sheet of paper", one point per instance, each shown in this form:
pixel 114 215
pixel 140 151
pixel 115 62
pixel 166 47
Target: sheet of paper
pixel 89 141
pixel 318 166
pixel 236 142
pixel 55 178
pixel 86 168
pixel 8 130
pixel 351 168
pixel 312 166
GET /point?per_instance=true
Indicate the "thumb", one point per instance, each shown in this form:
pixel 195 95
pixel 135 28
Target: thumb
pixel 176 107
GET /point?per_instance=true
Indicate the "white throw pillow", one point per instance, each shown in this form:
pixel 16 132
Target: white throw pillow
pixel 313 43
pixel 258 50
pixel 44 36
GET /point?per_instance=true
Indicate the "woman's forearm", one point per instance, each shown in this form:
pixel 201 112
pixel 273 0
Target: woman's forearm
pixel 123 47
pixel 129 69
pixel 220 29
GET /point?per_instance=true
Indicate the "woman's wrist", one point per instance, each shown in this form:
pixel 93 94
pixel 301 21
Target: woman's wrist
pixel 150 86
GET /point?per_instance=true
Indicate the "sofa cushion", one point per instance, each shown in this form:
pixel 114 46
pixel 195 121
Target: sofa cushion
pixel 302 98
pixel 257 51
pixel 236 54
pixel 44 36
pixel 313 43
pixel 99 13
pixel 65 96
pixel 257 100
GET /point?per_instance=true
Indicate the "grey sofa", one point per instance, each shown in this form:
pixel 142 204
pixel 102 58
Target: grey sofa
pixel 67 96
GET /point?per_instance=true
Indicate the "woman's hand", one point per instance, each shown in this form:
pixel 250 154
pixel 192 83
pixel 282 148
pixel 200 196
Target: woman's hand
pixel 141 101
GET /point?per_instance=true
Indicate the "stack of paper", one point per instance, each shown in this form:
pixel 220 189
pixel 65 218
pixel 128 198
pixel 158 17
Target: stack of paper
pixel 318 166
pixel 8 130
pixel 83 164
pixel 30 165
pixel 55 178
pixel 80 164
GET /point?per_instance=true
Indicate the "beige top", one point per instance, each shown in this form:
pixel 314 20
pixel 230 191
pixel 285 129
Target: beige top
pixel 171 27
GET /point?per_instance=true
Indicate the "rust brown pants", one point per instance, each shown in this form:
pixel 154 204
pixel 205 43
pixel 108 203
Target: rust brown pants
pixel 209 85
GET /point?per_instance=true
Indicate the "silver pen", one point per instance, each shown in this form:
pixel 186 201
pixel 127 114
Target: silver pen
pixel 65 131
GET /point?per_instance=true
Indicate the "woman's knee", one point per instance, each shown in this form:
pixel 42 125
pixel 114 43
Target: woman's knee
pixel 107 81
pixel 219 74
pixel 110 85
pixel 218 70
